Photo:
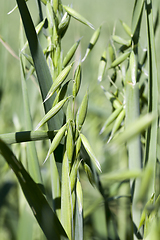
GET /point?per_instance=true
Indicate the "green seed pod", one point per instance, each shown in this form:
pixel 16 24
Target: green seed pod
pixel 89 173
pixel 117 124
pixel 62 27
pixel 102 66
pixel 120 59
pixel 51 66
pixel 50 47
pixel 49 13
pixel 90 152
pixel 77 80
pixel 79 196
pixel 111 53
pixel 66 198
pixel 122 41
pixel 92 42
pixel 73 174
pixel 56 141
pixel 111 118
pixel 133 67
pixel 77 16
pixel 82 111
pixel 57 53
pixel 58 81
pixel 40 26
pixel 51 113
pixel 55 37
pixel 71 53
pixel 63 21
pixel 55 5
pixel 69 142
pixel 69 113
pixel 73 201
pixel 61 93
pixel 115 102
pixel 60 67
pixel 126 28
pixel 78 147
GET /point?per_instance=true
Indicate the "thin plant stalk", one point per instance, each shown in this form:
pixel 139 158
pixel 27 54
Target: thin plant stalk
pixel 151 140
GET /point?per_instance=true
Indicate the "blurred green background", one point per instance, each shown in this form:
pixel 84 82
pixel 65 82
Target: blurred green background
pixel 105 12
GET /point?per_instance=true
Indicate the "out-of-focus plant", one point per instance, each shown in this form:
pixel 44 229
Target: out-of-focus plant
pixel 129 195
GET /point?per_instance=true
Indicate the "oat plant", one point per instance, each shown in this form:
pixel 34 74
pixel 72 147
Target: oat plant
pixel 64 219
pixel 132 73
pixel 127 181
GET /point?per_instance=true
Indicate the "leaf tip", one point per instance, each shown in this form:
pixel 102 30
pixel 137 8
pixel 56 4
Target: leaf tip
pixel 37 127
pixel 91 26
pixel 47 97
pixel 48 154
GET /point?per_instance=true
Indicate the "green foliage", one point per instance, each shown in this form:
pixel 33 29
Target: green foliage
pixel 94 174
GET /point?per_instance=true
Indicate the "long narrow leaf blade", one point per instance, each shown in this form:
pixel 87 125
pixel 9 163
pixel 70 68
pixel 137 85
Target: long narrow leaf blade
pixel 42 69
pixel 34 196
pixel 151 142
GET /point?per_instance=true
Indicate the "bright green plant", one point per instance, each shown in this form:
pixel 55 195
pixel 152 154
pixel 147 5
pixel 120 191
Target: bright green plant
pixel 129 102
pixel 66 220
pixel 133 186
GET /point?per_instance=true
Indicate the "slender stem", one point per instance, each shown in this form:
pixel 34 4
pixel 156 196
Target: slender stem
pixel 26 136
pixel 151 140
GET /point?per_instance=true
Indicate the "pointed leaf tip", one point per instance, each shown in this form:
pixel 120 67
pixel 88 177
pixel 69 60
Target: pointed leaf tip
pixel 51 113
pixel 77 16
pixel 90 152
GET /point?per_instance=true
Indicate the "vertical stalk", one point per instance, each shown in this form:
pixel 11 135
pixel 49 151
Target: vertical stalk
pixel 125 226
pixel 134 145
pixel 151 140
